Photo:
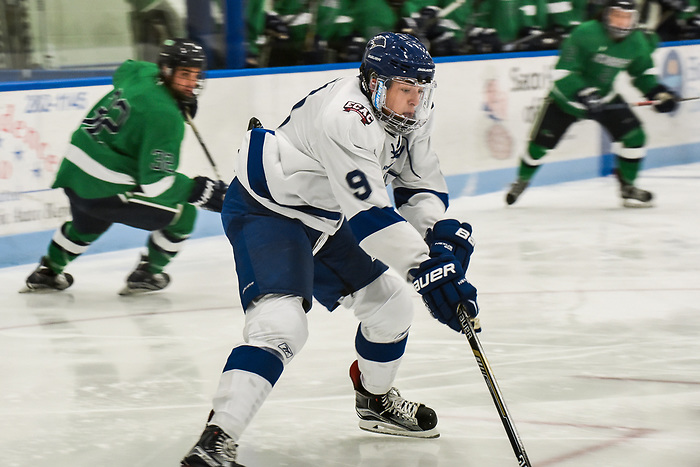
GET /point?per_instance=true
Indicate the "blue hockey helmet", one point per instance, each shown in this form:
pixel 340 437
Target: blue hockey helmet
pixel 620 18
pixel 390 58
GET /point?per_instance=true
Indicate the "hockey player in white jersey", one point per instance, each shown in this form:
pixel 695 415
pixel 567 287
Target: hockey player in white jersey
pixel 308 216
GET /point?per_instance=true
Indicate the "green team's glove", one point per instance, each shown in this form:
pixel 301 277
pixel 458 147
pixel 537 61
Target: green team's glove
pixel 591 100
pixel 667 99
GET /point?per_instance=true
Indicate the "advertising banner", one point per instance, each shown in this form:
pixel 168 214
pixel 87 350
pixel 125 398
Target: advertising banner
pixel 485 110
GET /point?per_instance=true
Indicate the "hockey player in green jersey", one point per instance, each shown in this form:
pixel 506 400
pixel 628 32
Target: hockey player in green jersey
pixel 590 59
pixel 121 167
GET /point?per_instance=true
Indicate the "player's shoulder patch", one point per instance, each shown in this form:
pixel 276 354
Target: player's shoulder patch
pixel 365 114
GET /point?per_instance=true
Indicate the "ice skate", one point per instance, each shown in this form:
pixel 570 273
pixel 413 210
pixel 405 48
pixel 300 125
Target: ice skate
pixel 214 449
pixel 390 413
pixel 516 189
pixel 633 197
pixel 43 279
pixel 142 281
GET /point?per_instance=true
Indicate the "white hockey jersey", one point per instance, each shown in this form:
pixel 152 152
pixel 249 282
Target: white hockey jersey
pixel 331 159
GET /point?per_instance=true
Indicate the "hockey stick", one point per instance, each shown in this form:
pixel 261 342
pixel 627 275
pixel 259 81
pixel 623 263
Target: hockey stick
pixel 201 143
pixel 441 14
pixel 515 442
pixel 310 37
pixel 450 8
pixel 645 103
pixel 512 46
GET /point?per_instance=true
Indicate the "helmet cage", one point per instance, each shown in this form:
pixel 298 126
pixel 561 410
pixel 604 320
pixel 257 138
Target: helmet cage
pixel 391 57
pixel 618 32
pixel 182 53
pixel 393 120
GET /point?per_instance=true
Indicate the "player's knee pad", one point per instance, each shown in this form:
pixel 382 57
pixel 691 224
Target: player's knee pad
pixel 277 322
pixel 384 308
pixel 635 138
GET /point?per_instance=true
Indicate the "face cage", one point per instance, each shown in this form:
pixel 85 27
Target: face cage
pixel 397 122
pixel 167 78
pixel 617 32
pixel 199 87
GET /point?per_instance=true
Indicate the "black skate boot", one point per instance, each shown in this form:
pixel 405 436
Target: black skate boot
pixel 43 279
pixel 214 449
pixel 390 413
pixel 633 197
pixel 141 280
pixel 516 189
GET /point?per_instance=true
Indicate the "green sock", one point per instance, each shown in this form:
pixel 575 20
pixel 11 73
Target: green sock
pixel 628 169
pixel 58 257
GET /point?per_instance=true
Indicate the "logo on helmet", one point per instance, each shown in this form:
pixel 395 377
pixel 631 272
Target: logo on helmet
pixel 377 41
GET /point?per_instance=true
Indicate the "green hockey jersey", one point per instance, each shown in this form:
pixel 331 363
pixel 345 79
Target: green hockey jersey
pixel 505 16
pixel 129 143
pixel 590 58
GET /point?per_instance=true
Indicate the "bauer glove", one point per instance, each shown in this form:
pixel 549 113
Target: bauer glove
pixel 442 284
pixel 449 236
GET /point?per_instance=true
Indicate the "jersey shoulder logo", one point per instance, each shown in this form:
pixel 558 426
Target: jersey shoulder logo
pixel 365 114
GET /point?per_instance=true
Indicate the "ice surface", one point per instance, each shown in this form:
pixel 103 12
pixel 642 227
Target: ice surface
pixel 591 316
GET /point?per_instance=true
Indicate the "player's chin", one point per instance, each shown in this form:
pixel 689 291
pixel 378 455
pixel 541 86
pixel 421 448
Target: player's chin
pixel 187 93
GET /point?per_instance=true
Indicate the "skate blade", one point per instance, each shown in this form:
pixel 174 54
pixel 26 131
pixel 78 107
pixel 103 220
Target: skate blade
pixel 635 204
pixel 376 426
pixel 43 290
pixel 128 291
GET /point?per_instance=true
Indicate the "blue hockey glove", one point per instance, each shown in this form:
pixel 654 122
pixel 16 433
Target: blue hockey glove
pixel 592 101
pixel 449 236
pixel 442 284
pixel 668 100
pixel 208 194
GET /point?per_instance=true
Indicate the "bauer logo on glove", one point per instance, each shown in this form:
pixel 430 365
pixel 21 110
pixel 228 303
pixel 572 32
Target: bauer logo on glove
pixel 434 276
pixel 442 284
pixel 449 236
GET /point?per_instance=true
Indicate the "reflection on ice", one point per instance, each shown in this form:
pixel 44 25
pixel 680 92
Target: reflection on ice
pixel 591 314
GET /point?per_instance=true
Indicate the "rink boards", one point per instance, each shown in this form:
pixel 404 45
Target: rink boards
pixel 485 106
